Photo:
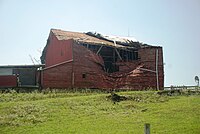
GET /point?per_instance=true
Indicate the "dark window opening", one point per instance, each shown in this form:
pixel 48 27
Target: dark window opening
pixel 83 76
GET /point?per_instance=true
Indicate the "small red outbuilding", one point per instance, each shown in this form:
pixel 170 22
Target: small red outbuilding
pixel 20 76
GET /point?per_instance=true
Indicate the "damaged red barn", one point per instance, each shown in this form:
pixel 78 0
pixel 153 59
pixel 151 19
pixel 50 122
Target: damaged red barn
pixel 92 60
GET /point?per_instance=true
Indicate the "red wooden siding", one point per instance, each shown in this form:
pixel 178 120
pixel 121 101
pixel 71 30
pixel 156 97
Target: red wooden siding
pixel 148 59
pixel 89 64
pixel 131 77
pixel 58 77
pixel 58 51
pixel 8 81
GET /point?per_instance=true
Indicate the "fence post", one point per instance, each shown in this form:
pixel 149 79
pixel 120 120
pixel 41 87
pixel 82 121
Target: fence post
pixel 146 128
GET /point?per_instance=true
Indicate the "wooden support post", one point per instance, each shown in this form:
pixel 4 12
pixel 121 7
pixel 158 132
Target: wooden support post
pixel 133 57
pixel 99 49
pixel 146 128
pixel 72 73
pixel 72 79
pixel 118 54
pixel 126 55
pixel 113 55
pixel 157 80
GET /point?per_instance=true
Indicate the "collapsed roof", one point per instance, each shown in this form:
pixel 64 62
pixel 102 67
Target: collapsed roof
pixel 94 38
pixel 99 39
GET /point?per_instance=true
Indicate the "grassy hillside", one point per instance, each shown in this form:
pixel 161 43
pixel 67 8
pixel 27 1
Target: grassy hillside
pixel 22 113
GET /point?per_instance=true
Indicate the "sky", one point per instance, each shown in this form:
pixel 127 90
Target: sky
pixel 172 24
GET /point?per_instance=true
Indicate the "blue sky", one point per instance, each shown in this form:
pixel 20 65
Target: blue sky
pixel 172 24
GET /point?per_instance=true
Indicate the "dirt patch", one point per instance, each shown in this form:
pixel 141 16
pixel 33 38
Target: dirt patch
pixel 116 98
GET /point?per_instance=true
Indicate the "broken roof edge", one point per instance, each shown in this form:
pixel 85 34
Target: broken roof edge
pixel 95 38
pixel 112 37
pixel 95 35
pixel 81 37
pixel 100 44
pixel 22 66
pixel 100 39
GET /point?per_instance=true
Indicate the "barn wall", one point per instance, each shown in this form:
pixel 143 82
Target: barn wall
pixel 148 58
pixel 57 77
pixel 131 77
pixel 88 69
pixel 58 51
pixel 8 81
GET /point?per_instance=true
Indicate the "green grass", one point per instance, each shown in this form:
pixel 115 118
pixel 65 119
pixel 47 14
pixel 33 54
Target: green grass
pixel 84 113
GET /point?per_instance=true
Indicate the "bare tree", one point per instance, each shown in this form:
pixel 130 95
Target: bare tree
pixel 197 80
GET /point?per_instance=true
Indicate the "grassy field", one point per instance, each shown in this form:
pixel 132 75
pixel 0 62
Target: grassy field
pixel 84 113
